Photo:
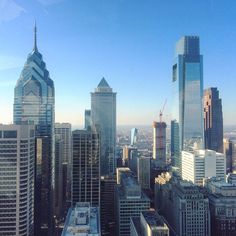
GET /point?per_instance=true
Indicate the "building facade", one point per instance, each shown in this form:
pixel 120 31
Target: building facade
pixel 229 146
pixel 103 113
pixel 222 200
pixel 187 79
pixel 213 120
pixel 159 143
pixel 202 164
pixel 183 206
pixel 34 101
pixel 143 171
pixel 17 158
pixel 129 200
pixel 133 136
pixel 85 166
pixel 63 132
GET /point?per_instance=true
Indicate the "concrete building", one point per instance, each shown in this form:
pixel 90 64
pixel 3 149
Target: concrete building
pixel 130 201
pixel 17 155
pixel 222 200
pixel 149 223
pixel 86 166
pixel 103 113
pixel 159 143
pixel 183 205
pixel 143 172
pixel 82 220
pixel 213 120
pixel 187 105
pixel 34 103
pixel 127 151
pixel 201 164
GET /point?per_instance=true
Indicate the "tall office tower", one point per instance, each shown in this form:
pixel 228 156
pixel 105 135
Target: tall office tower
pixel 107 209
pixel 82 220
pixel 213 120
pixel 130 201
pixel 63 131
pixel 183 205
pixel 148 223
pixel 103 113
pixel 202 164
pixel 87 119
pixel 58 208
pixel 85 166
pixel 133 136
pixel 230 154
pixel 17 154
pixel 187 96
pixel 159 143
pixel 34 103
pixel 143 171
pixel 222 200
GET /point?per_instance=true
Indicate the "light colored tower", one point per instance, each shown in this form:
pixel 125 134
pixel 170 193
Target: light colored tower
pixel 17 154
pixel 187 82
pixel 103 113
pixel 85 166
pixel 213 120
pixel 34 103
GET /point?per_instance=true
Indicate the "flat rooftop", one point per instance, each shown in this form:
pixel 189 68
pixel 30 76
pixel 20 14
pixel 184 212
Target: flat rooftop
pixel 82 220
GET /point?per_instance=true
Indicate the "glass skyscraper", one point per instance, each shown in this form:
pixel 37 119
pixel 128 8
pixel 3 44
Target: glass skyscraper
pixel 34 104
pixel 103 113
pixel 187 96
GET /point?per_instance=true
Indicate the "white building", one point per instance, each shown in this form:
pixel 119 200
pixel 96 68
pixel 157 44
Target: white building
pixel 201 164
pixel 17 163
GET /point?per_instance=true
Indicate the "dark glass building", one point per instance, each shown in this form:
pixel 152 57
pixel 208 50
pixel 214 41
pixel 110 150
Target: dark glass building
pixel 85 166
pixel 213 120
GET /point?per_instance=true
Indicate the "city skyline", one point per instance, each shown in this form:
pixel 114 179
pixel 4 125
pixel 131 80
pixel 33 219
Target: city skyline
pixel 133 52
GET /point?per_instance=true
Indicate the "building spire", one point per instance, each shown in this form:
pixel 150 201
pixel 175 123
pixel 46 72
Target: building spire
pixel 35 37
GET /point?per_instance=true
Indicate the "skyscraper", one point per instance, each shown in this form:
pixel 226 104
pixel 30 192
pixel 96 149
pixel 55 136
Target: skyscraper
pixel 213 120
pixel 63 131
pixel 17 154
pixel 159 143
pixel 103 113
pixel 85 166
pixel 34 103
pixel 133 136
pixel 188 93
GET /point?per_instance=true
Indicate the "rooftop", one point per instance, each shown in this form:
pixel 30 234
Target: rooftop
pixel 82 220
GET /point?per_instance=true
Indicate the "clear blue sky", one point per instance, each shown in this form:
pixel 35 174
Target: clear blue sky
pixel 129 42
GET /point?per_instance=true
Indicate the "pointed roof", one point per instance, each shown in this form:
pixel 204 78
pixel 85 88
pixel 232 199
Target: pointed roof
pixel 103 84
pixel 35 38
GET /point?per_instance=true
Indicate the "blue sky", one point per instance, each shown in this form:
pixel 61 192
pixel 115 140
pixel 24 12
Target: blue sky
pixel 129 42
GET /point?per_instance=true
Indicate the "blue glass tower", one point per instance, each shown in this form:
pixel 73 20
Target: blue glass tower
pixel 34 103
pixel 188 94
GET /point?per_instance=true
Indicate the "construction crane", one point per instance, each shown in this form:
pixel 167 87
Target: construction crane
pixel 161 111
